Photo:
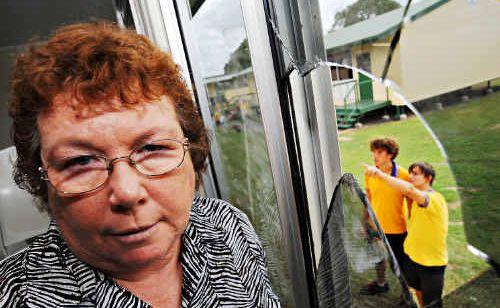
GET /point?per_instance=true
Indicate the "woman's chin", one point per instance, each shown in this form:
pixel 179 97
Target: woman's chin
pixel 142 256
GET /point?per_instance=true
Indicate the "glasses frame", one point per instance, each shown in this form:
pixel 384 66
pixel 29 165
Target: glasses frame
pixel 110 164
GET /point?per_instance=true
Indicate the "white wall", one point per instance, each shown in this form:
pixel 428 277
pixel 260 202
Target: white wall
pixel 452 47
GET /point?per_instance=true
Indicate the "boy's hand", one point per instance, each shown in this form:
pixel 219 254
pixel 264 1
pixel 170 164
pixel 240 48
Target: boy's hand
pixel 371 170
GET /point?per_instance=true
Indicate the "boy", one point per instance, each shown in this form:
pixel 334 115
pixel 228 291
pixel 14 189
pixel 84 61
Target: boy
pixel 425 246
pixel 387 203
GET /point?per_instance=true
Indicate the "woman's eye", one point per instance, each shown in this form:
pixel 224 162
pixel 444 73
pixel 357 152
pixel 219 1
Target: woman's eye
pixel 155 151
pixel 79 161
pixel 152 148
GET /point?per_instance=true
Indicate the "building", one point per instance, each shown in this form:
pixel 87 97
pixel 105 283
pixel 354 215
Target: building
pixel 429 59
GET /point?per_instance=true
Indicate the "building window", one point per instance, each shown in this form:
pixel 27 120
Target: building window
pixel 364 62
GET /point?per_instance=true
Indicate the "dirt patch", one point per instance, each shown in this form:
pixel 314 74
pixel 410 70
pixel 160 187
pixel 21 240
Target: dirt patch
pixel 453 205
pixel 495 127
pixel 454 188
pixel 344 138
pixel 348 131
pixel 444 164
pixel 472 189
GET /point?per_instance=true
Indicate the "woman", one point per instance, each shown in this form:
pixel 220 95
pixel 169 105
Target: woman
pixel 110 144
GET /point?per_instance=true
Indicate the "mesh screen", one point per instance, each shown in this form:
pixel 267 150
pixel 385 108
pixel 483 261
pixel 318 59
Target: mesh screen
pixel 353 246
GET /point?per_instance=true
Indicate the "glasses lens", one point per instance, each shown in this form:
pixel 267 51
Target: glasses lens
pixel 78 174
pixel 159 157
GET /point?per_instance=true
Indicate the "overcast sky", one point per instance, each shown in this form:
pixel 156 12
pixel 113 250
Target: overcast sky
pixel 219 29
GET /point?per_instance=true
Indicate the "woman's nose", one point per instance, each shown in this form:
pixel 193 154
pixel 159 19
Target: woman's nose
pixel 126 186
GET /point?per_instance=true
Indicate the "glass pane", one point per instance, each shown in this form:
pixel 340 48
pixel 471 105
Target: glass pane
pixel 336 15
pixel 467 124
pixel 353 251
pixel 220 35
pixel 415 144
pixel 21 20
pixel 445 67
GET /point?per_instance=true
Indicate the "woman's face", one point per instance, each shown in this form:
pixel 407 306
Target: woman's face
pixel 133 221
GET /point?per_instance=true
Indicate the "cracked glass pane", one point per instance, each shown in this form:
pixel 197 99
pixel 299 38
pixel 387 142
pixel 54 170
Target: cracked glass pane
pixel 439 103
pixel 220 36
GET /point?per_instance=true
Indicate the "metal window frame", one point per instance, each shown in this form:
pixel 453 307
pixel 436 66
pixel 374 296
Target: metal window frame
pixel 161 22
pixel 315 126
pixel 313 114
pixel 299 24
pixel 296 231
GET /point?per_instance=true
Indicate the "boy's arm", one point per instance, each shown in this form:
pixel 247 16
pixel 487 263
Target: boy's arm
pixel 404 187
pixel 408 205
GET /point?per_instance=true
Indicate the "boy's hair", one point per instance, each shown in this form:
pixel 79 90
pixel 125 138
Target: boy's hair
pixel 426 169
pixel 388 144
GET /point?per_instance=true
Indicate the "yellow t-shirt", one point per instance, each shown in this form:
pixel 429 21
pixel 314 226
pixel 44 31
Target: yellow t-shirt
pixel 387 203
pixel 427 231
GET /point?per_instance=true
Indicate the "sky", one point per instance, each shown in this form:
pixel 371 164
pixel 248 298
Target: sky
pixel 219 29
pixel 330 7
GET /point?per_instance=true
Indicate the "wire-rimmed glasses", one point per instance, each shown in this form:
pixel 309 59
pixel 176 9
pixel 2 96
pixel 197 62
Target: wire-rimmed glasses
pixel 85 173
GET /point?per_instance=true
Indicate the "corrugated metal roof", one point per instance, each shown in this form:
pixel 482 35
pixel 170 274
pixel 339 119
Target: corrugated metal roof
pixel 377 27
pixel 220 78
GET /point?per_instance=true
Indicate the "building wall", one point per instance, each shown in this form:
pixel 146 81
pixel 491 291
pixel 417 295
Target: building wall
pixel 450 48
pixel 378 54
pixel 232 94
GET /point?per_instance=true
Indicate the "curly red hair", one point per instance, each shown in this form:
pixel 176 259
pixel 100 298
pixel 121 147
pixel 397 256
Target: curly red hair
pixel 95 63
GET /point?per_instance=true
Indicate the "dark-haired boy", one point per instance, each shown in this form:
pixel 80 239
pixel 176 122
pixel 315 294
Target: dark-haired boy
pixel 387 203
pixel 425 245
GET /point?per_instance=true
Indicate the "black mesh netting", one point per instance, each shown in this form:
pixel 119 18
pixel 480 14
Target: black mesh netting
pixel 352 248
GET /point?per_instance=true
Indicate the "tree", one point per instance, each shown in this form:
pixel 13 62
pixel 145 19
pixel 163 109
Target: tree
pixel 239 59
pixel 363 10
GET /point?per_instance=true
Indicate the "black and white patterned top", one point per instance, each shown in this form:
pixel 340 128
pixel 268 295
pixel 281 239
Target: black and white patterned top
pixel 222 258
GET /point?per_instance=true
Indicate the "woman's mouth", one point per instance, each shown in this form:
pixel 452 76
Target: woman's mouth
pixel 135 235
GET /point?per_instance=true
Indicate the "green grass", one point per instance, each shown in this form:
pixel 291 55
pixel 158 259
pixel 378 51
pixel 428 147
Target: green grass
pixel 466 132
pixel 484 85
pixel 416 144
pixel 482 291
pixel 471 134
pixel 250 187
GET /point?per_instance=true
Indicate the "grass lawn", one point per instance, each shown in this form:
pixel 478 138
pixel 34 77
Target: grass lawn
pixel 484 85
pixel 416 144
pixel 466 132
pixel 471 134
pixel 250 187
pixel 482 291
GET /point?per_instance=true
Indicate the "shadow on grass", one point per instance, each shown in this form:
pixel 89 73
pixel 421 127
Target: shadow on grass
pixel 482 291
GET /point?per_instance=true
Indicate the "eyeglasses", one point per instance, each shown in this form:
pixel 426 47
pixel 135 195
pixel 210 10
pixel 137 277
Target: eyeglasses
pixel 85 173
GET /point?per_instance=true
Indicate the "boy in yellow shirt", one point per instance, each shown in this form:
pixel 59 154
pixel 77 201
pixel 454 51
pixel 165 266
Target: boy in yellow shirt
pixel 425 245
pixel 387 204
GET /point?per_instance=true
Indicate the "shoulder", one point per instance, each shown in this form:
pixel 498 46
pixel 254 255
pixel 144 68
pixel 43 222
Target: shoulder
pixel 435 202
pixel 37 272
pixel 13 279
pixel 227 218
pixel 368 179
pixel 403 173
pixel 238 234
pixel 436 198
